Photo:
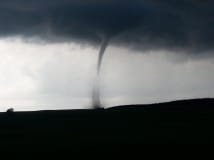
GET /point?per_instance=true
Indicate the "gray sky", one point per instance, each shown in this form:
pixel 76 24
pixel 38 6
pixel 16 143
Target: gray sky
pixel 35 76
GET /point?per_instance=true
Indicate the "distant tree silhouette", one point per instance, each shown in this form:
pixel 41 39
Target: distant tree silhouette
pixel 10 111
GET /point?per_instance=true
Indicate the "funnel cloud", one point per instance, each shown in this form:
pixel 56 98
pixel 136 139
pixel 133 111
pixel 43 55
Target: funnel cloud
pixel 96 93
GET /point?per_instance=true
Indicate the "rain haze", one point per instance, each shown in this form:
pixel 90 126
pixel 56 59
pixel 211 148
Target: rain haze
pixel 144 51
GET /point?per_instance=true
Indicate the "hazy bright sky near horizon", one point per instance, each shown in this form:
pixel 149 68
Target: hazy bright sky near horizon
pixel 39 76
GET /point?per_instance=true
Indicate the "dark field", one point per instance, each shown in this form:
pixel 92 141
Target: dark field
pixel 189 121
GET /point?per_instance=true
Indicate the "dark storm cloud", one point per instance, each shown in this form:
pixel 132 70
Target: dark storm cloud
pixel 183 24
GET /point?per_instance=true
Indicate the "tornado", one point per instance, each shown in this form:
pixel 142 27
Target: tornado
pixel 96 103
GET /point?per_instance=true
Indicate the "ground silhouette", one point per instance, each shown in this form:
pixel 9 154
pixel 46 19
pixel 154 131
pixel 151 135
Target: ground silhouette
pixel 187 121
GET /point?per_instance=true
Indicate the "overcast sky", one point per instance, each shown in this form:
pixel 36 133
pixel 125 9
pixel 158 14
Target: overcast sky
pixel 156 50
